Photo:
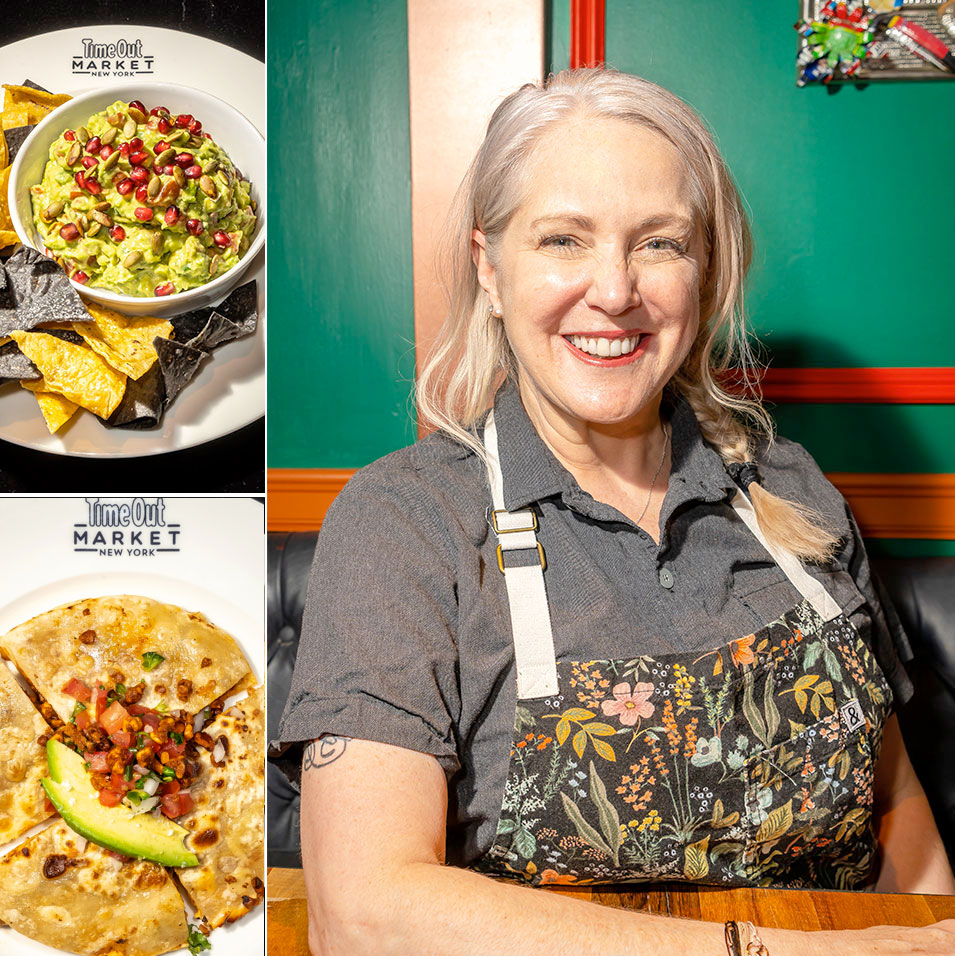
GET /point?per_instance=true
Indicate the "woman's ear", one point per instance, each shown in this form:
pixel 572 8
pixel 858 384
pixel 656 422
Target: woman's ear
pixel 487 274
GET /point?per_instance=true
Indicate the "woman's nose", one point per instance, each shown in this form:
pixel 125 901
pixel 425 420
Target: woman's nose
pixel 613 286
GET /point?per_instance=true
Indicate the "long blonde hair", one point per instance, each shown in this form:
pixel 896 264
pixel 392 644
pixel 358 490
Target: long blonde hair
pixel 471 354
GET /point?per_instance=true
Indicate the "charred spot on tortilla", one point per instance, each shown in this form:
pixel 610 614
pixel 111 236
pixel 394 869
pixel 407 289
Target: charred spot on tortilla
pixel 15 138
pixel 15 366
pixel 39 291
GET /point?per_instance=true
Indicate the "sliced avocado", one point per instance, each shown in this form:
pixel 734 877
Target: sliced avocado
pixel 141 835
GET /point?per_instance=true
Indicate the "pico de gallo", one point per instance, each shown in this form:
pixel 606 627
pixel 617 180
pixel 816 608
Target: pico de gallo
pixel 145 758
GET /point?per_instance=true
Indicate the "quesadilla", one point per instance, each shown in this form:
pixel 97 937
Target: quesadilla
pixel 226 826
pixel 178 658
pixel 60 890
pixel 22 760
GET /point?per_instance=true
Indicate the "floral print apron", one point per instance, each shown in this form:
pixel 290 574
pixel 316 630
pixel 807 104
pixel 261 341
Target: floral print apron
pixel 748 764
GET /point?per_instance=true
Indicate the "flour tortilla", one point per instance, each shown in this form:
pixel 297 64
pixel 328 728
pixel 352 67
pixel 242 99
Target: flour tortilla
pixel 98 906
pixel 48 651
pixel 226 826
pixel 22 760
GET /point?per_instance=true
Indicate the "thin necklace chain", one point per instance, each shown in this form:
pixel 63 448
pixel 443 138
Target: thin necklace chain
pixel 666 443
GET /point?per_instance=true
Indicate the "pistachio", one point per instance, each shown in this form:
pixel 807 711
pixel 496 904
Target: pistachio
pixel 73 157
pixel 83 223
pixel 208 186
pixel 111 160
pixel 180 136
pixel 53 210
pixel 155 184
pixel 136 114
pixel 101 206
pixel 109 136
pixel 102 218
pixel 129 129
pixel 210 167
pixel 83 135
pixel 179 176
pixel 253 205
pixel 214 265
pixel 170 193
pixel 157 243
pixel 93 229
pixel 132 259
pixel 116 119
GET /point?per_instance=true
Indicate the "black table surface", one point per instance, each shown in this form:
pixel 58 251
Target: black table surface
pixel 235 463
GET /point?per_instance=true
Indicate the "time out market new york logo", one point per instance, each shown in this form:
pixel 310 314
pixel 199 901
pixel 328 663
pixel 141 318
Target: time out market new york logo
pixel 136 528
pixel 119 58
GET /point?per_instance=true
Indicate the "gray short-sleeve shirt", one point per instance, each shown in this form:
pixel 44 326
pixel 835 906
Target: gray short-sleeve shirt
pixel 406 638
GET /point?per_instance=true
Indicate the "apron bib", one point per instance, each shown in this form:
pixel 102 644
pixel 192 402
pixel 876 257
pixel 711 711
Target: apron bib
pixel 749 764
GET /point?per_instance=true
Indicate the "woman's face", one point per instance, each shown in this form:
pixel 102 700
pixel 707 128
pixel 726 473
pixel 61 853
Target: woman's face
pixel 598 273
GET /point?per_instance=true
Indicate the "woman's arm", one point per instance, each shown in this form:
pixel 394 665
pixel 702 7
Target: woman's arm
pixel 373 825
pixel 913 855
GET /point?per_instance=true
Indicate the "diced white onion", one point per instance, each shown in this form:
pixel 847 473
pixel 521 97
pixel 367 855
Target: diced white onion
pixel 81 843
pixel 142 770
pixel 218 753
pixel 150 785
pixel 199 721
pixel 146 805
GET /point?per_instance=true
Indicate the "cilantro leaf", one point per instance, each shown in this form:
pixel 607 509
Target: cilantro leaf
pixel 197 941
pixel 151 660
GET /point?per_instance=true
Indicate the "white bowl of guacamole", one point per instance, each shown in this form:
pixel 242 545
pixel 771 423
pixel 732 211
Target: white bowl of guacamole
pixel 150 195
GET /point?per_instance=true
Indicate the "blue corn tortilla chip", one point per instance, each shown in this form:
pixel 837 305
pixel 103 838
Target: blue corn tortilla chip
pixel 15 138
pixel 39 291
pixel 233 318
pixel 14 365
pixel 35 86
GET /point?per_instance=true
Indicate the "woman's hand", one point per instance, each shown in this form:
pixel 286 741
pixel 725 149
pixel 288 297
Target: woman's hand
pixel 935 940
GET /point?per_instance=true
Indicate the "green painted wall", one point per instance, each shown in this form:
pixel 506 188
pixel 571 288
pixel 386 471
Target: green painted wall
pixel 849 206
pixel 340 308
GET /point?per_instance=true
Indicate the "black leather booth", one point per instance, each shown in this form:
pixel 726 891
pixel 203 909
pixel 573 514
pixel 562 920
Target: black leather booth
pixel 922 589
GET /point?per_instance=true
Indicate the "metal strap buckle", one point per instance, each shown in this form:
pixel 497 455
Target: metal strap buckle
pixel 499 530
pixel 540 554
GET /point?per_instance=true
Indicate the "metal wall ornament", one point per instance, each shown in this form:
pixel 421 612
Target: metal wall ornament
pixel 878 40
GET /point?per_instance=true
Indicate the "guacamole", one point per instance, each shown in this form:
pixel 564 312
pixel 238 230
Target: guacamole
pixel 142 203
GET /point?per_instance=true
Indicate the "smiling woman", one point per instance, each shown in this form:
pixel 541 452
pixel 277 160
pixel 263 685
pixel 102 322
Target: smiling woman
pixel 683 670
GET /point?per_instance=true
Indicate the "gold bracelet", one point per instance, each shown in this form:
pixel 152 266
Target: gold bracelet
pixel 731 935
pixel 754 946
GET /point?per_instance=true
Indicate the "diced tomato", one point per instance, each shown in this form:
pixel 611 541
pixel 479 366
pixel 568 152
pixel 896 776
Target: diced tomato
pixel 137 710
pixel 109 798
pixel 98 761
pixel 77 690
pixel 185 803
pixel 123 738
pixel 118 782
pixel 150 721
pixel 112 718
pixel 49 807
pixel 99 701
pixel 83 719
pixel 170 786
pixel 170 805
pixel 172 749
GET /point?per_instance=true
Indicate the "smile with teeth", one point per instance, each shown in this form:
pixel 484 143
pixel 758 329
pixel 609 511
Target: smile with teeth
pixel 604 347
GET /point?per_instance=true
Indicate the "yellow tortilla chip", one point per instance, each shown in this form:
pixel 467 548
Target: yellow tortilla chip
pixel 4 153
pixel 19 95
pixel 76 371
pixel 56 409
pixel 14 116
pixel 6 223
pixel 126 342
pixel 8 238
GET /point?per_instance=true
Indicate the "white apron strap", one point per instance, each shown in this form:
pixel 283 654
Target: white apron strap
pixel 534 653
pixel 790 565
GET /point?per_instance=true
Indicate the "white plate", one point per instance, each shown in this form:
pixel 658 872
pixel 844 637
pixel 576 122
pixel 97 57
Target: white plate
pixel 222 547
pixel 229 391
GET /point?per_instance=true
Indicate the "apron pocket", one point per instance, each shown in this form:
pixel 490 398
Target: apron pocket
pixel 811 795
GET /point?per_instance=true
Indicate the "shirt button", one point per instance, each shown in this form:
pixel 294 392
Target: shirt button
pixel 666 578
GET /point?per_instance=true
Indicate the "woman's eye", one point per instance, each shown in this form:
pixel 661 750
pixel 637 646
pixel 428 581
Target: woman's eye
pixel 559 242
pixel 661 246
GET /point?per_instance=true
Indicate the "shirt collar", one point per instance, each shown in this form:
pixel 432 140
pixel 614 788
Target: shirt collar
pixel 532 473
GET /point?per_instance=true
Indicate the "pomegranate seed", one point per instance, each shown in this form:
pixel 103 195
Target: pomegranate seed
pixel 165 288
pixel 117 233
pixel 124 149
pixel 142 213
pixel 183 120
pixel 163 125
pixel 221 239
pixel 172 215
pixel 94 187
pixel 207 135
pixel 80 180
pixel 88 162
pixel 80 276
pixel 168 170
pixel 156 110
pixel 69 136
pixel 139 105
pixel 184 159
pixel 135 144
pixel 193 172
pixel 194 226
pixel 195 127
pixel 93 144
pixel 125 187
pixel 141 193
pixel 160 147
pixel 137 159
pixel 69 232
pixel 106 152
pixel 139 175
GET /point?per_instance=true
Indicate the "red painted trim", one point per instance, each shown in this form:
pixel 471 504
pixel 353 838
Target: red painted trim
pixel 893 386
pixel 587 33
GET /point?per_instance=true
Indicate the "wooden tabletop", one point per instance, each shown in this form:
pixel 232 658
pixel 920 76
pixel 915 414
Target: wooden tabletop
pixel 784 909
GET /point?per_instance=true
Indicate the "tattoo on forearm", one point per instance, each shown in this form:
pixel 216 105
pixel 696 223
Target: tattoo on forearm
pixel 322 752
